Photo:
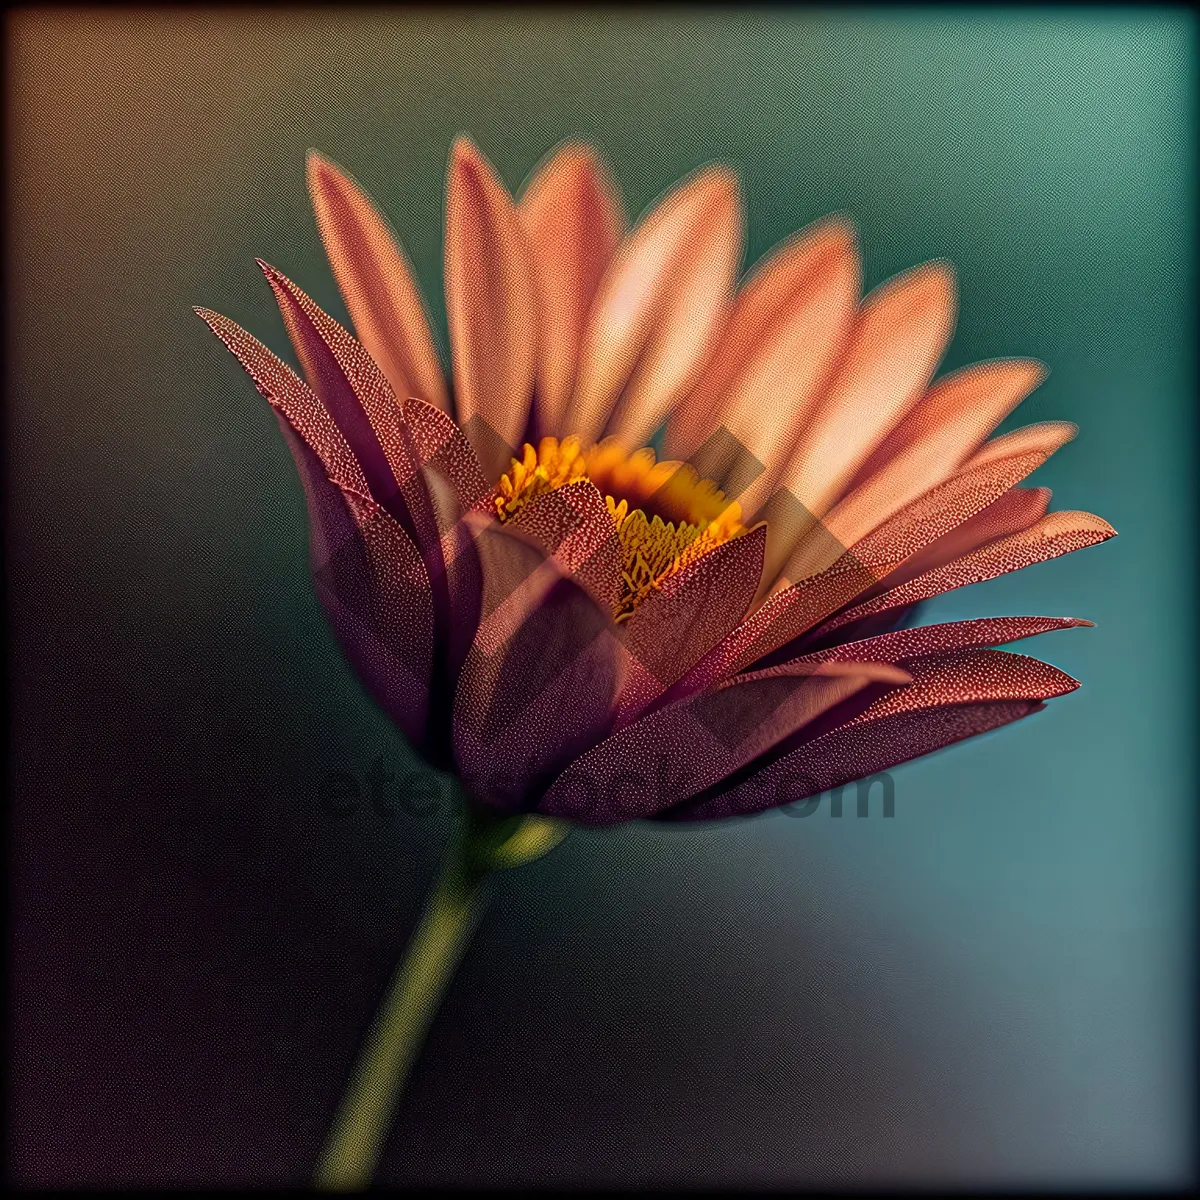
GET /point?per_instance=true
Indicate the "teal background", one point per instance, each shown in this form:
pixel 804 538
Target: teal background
pixel 994 987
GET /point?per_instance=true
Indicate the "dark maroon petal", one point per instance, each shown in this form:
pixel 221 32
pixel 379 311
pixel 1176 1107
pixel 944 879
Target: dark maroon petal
pixel 680 751
pixel 419 465
pixel 783 617
pixel 689 614
pixel 540 682
pixel 449 484
pixel 952 696
pixel 370 578
pixel 374 589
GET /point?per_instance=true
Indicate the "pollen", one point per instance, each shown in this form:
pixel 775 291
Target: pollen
pixel 664 515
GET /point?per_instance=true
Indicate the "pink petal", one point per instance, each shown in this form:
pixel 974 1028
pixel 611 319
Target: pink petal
pixel 689 614
pixel 573 221
pixel 948 506
pixel 1056 534
pixel 1018 509
pixel 293 399
pixel 952 696
pixel 437 444
pixel 539 685
pixel 659 309
pixel 572 525
pixel 904 644
pixel 350 386
pixel 376 282
pixel 897 558
pixel 491 309
pixel 678 752
pixel 859 571
pixel 788 328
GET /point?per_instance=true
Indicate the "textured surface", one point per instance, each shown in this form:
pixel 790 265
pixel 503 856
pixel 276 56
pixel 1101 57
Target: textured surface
pixel 991 987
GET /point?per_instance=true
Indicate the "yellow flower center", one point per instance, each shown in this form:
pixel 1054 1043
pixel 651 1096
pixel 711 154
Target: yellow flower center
pixel 664 514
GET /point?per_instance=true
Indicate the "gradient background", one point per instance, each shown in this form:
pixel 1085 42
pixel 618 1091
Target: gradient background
pixel 993 987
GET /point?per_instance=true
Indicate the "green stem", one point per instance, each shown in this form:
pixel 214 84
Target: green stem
pixel 362 1122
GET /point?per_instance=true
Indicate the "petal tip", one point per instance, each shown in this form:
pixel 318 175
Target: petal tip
pixel 715 189
pixel 1067 684
pixel 471 171
pixel 1030 373
pixel 936 274
pixel 838 232
pixel 280 283
pixel 578 153
pixel 939 284
pixel 320 170
pixel 464 152
pixel 930 288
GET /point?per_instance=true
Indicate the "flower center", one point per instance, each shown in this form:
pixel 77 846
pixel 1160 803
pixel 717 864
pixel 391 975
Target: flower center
pixel 664 514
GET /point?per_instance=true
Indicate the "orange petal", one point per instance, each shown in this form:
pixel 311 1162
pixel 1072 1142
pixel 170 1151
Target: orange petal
pixel 1045 436
pixel 376 283
pixel 659 308
pixel 900 336
pixel 573 219
pixel 934 440
pixel 788 325
pixel 490 307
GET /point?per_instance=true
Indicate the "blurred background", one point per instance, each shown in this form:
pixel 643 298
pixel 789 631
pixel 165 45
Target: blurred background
pixel 993 987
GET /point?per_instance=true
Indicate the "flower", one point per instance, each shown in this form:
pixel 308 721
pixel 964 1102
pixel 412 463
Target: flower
pixel 582 631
